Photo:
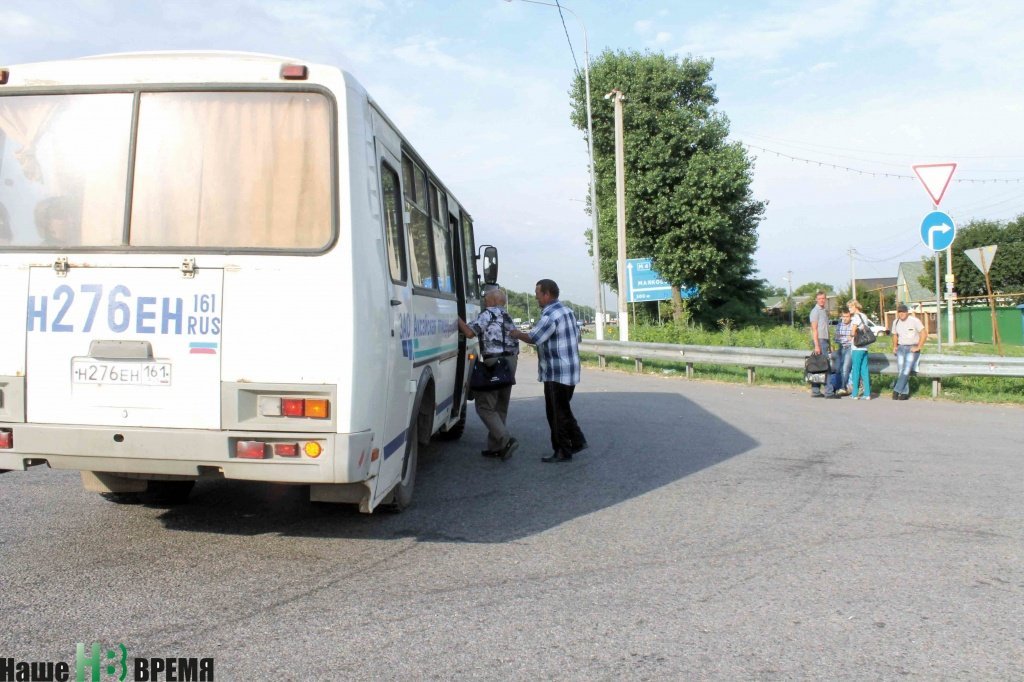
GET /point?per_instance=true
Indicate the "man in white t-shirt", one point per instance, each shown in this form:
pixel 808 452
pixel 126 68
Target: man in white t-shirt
pixel 907 340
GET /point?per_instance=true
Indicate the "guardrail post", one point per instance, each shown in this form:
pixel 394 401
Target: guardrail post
pixel 689 370
pixel 601 362
pixel 639 364
pixel 936 387
pixel 751 375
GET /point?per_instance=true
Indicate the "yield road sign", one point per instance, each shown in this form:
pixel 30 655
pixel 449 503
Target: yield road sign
pixel 982 257
pixel 937 230
pixel 935 177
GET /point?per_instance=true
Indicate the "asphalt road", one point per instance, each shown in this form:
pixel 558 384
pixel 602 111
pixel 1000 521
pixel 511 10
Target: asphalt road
pixel 711 531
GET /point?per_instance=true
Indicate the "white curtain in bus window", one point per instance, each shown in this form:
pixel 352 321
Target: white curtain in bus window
pixel 233 169
pixel 419 247
pixel 443 257
pixel 64 168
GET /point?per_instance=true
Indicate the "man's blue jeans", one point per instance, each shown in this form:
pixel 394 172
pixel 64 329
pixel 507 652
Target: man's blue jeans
pixel 906 358
pixel 844 361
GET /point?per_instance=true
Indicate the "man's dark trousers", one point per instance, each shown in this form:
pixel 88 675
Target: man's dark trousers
pixel 565 432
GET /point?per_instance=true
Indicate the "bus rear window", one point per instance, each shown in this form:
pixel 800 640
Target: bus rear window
pixel 63 169
pixel 215 170
pixel 232 169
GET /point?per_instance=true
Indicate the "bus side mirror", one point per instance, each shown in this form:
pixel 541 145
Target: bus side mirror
pixel 490 264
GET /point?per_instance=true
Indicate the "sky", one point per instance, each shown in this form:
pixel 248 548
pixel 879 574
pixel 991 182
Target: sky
pixel 830 96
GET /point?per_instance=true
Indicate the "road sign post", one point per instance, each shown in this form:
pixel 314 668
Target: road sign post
pixel 982 258
pixel 936 177
pixel 937 232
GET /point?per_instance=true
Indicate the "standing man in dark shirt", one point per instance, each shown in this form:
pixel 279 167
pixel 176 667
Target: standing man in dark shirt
pixel 819 337
pixel 557 339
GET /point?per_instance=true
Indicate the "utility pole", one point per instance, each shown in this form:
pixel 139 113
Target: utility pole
pixel 853 277
pixel 620 210
pixel 789 281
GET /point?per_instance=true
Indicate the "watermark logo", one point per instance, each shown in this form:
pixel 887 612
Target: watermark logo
pixel 97 663
pixel 87 668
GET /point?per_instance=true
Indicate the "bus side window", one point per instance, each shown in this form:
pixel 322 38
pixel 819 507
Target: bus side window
pixel 393 223
pixel 469 250
pixel 442 241
pixel 420 248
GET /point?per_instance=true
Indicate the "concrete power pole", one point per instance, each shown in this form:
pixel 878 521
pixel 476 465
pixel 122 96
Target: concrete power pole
pixel 620 211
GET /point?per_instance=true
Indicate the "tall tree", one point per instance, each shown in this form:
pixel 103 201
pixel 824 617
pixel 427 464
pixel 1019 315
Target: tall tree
pixel 688 198
pixel 1006 270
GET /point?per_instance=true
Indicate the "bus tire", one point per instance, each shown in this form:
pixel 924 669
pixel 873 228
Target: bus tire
pixel 401 495
pixel 455 432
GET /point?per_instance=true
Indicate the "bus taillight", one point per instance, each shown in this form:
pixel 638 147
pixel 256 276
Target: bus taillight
pixel 5 75
pixel 251 449
pixel 286 449
pixel 316 408
pixel 6 439
pixel 293 407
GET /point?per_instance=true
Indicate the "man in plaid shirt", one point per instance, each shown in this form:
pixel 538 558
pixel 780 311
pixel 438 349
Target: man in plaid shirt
pixel 557 339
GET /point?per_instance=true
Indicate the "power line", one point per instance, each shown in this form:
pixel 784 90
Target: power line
pixel 876 174
pixel 876 153
pixel 566 29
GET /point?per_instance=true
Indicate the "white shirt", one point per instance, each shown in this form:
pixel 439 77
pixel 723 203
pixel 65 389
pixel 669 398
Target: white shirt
pixel 908 331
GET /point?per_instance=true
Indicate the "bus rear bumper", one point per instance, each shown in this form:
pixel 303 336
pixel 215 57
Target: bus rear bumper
pixel 344 458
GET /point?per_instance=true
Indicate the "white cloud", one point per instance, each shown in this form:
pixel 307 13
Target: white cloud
pixel 771 33
pixel 662 37
pixel 643 26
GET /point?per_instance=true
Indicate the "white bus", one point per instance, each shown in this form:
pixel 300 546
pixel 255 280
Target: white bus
pixel 224 265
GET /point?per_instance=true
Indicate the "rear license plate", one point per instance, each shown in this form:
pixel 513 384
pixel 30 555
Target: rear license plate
pixel 89 371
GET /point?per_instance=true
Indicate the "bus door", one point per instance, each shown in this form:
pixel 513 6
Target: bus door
pixel 400 353
pixel 459 275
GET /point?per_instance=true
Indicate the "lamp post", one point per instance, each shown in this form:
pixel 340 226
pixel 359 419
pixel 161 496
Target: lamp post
pixel 789 281
pixel 599 311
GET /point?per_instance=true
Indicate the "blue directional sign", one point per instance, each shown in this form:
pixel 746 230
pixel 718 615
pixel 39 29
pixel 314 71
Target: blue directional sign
pixel 937 230
pixel 644 283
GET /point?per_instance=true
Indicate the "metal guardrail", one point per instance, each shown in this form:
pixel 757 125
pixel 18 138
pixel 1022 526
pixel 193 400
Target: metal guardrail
pixel 931 365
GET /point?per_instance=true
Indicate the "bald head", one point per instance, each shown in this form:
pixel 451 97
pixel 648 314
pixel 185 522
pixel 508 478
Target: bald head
pixel 495 297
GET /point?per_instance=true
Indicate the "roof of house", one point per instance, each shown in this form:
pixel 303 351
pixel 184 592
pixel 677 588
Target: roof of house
pixel 873 283
pixel 910 288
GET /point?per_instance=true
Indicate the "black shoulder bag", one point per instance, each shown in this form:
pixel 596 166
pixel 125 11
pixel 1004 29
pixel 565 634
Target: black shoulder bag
pixel 864 336
pixel 498 373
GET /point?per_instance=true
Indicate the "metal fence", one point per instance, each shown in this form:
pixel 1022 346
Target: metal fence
pixel 931 365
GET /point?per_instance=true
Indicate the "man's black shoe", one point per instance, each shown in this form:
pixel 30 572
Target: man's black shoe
pixel 904 396
pixel 817 395
pixel 557 457
pixel 509 448
pixel 832 396
pixel 579 448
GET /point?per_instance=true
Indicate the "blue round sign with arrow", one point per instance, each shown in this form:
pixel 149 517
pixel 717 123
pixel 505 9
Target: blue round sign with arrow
pixel 937 230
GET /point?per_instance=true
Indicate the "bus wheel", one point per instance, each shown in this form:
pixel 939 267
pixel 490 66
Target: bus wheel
pixel 401 495
pixel 455 432
pixel 168 492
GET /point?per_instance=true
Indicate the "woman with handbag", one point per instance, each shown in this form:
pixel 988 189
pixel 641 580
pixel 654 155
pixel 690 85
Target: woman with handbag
pixel 859 363
pixel 495 371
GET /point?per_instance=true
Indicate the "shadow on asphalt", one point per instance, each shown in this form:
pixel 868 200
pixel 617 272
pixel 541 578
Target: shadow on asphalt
pixel 639 443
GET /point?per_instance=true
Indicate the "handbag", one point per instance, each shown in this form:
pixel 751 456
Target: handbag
pixel 816 367
pixel 497 374
pixel 491 377
pixel 864 336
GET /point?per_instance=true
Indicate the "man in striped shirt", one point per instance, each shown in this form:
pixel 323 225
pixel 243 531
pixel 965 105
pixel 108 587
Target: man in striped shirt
pixel 556 336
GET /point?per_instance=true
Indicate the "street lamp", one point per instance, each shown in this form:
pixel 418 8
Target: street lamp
pixel 595 245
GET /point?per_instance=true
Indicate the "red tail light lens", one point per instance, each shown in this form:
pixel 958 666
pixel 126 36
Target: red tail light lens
pixel 286 449
pixel 293 407
pixel 250 449
pixel 4 76
pixel 6 439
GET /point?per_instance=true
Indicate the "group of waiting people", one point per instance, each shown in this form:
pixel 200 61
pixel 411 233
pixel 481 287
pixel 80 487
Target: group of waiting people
pixel 850 374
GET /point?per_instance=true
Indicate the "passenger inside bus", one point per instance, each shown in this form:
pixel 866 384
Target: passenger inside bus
pixel 55 222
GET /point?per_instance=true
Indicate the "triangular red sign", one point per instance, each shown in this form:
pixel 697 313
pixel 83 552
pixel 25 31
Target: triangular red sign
pixel 935 177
